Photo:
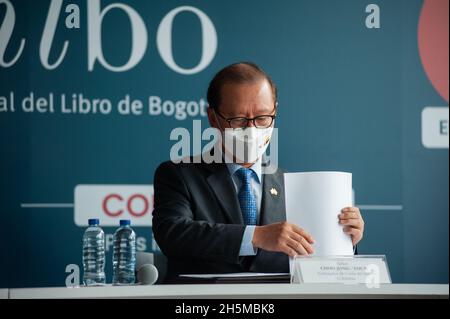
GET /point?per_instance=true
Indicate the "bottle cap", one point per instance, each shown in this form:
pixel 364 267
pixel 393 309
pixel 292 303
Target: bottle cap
pixel 125 222
pixel 93 221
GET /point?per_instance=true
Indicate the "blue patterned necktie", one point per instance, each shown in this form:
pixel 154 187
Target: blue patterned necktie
pixel 247 200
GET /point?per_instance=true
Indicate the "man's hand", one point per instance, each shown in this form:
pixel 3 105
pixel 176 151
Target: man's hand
pixel 351 218
pixel 283 237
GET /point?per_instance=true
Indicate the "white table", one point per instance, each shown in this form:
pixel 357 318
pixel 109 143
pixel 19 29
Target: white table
pixel 4 293
pixel 260 291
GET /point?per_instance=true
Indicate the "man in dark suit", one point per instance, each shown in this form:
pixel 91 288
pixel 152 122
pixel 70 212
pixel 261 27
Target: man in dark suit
pixel 229 215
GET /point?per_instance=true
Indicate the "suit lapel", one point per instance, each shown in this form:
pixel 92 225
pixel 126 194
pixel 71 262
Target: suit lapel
pixel 273 203
pixel 272 207
pixel 222 185
pixel 272 211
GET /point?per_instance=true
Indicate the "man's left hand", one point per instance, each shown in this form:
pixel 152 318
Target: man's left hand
pixel 351 219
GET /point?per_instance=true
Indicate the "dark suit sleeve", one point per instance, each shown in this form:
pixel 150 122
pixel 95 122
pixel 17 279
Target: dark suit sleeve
pixel 175 230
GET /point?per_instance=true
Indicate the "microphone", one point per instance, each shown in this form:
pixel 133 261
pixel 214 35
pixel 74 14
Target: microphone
pixel 147 274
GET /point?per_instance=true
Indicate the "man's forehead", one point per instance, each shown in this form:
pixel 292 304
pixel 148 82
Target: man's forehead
pixel 257 85
pixel 258 92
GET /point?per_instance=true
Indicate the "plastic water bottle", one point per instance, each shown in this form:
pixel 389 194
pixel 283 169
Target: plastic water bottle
pixel 124 256
pixel 94 254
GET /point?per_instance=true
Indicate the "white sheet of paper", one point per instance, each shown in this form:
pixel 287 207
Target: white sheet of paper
pixel 313 202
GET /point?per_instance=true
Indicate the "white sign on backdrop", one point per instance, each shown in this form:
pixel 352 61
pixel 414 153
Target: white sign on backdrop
pixel 435 127
pixel 111 203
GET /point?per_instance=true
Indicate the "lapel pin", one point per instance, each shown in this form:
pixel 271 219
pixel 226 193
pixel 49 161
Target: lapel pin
pixel 273 191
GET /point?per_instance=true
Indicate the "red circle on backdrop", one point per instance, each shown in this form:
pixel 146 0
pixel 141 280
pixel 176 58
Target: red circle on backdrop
pixel 131 211
pixel 105 205
pixel 433 43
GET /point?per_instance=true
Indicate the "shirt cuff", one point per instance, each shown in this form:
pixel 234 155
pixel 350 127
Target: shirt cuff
pixel 247 248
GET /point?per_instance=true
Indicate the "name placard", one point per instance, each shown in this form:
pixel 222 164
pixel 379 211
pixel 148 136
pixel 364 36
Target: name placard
pixel 371 270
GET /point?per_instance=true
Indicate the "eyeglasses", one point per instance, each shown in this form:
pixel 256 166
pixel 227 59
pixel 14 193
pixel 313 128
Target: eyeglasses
pixel 261 121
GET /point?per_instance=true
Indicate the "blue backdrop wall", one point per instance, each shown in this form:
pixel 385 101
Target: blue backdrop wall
pixel 353 86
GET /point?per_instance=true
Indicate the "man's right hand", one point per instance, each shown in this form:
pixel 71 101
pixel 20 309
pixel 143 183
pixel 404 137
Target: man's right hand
pixel 283 237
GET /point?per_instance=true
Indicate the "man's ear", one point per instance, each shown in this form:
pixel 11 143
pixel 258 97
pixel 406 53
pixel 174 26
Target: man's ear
pixel 212 118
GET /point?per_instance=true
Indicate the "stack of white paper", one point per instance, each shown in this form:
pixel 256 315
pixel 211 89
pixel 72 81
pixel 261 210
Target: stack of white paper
pixel 313 202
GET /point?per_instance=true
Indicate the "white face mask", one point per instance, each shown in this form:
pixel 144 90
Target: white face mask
pixel 248 145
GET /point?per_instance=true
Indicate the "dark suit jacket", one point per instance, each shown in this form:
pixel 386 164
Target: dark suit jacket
pixel 198 224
